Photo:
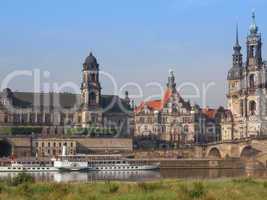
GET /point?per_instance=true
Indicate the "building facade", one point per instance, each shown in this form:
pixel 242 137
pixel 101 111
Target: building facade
pixel 49 147
pixel 247 89
pixel 174 120
pixel 52 113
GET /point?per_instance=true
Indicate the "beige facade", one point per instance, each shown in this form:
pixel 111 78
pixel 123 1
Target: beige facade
pixel 49 147
pixel 52 113
pixel 174 120
pixel 247 90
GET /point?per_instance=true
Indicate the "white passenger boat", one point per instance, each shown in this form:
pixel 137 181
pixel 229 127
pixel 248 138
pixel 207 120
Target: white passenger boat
pixel 122 165
pixel 64 164
pixel 56 164
pixel 27 167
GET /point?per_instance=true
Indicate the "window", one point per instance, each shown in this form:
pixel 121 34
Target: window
pixel 251 81
pixel 93 77
pixel 92 98
pixel 186 128
pixel 39 118
pixel 252 107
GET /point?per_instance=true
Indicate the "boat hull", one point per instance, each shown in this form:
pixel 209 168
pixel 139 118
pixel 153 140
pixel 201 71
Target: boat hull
pixel 125 168
pixel 28 169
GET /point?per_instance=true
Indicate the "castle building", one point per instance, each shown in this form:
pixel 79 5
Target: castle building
pixel 247 97
pixel 51 113
pixel 174 120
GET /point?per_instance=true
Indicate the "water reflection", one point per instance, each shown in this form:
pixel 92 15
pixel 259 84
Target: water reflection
pixel 91 176
pixel 142 175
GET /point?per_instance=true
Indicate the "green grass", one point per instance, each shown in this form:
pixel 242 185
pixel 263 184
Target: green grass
pixel 235 189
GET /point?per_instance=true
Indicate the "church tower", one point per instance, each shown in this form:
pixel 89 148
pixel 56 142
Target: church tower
pixel 254 58
pixel 90 88
pixel 247 92
pixel 171 85
pixel 234 77
pixel 91 93
pixel 255 74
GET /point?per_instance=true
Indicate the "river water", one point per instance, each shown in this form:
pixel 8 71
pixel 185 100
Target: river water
pixel 139 176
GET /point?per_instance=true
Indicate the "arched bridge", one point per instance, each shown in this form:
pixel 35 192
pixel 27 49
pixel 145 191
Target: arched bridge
pixel 244 149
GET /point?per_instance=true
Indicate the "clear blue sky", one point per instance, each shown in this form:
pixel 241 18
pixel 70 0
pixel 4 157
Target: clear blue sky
pixel 135 41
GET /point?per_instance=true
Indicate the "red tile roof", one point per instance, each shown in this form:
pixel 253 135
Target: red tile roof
pixel 155 104
pixel 209 112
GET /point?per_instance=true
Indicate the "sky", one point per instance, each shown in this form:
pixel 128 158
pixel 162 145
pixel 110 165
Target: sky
pixel 137 42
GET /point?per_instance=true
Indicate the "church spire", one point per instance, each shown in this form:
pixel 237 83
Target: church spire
pixel 237 47
pixel 253 27
pixel 254 45
pixel 236 36
pixel 237 55
pixel 171 81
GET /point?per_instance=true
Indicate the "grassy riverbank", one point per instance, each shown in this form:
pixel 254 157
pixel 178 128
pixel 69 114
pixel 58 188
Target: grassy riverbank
pixel 243 189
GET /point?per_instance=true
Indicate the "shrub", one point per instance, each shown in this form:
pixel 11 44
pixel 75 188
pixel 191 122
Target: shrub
pixel 24 189
pixel 113 187
pixel 198 190
pixel 195 192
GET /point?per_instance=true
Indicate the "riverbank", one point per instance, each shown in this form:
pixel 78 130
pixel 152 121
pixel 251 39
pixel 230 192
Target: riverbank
pixel 24 188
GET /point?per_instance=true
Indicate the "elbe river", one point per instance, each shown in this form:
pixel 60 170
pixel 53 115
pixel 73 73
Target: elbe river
pixel 140 176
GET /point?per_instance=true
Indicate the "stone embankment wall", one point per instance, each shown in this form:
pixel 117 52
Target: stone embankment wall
pixel 195 152
pixel 202 164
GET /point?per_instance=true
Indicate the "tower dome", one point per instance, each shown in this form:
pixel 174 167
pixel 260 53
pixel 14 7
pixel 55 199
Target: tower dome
pixel 253 27
pixel 90 62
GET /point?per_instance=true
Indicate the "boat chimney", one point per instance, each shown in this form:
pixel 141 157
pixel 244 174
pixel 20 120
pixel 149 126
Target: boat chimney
pixel 64 150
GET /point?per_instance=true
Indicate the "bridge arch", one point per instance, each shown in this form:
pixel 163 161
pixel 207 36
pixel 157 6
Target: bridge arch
pixel 5 148
pixel 248 152
pixel 214 152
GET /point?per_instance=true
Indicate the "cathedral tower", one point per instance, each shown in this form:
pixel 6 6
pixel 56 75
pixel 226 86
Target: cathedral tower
pixel 90 88
pixel 247 92
pixel 91 93
pixel 234 80
pixel 254 58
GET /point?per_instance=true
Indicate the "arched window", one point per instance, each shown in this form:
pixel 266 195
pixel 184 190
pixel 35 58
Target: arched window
pixel 252 107
pixel 92 98
pixel 251 81
pixel 186 128
pixel 93 77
